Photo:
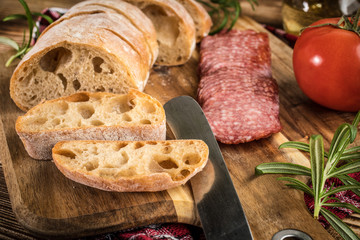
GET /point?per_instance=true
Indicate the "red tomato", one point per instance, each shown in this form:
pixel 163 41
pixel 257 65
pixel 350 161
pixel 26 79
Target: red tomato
pixel 326 63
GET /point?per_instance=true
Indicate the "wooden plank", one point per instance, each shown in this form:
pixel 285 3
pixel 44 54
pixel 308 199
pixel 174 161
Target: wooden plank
pixel 47 203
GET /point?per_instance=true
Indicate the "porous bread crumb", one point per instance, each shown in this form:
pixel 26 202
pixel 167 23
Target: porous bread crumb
pixel 85 115
pixel 131 165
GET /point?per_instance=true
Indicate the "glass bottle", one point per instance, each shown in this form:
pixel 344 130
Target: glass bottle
pixel 297 14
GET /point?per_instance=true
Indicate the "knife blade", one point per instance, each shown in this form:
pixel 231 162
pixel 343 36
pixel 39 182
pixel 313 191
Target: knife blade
pixel 218 205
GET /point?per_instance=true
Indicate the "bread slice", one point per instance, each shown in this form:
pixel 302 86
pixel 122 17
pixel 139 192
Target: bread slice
pixel 131 166
pixel 134 15
pixel 85 115
pixel 200 16
pixel 175 30
pixel 72 57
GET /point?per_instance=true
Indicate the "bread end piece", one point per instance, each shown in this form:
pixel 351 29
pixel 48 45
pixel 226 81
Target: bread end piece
pixel 202 19
pixel 175 30
pixel 71 58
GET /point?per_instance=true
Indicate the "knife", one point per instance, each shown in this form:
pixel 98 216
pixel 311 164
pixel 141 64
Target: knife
pixel 217 202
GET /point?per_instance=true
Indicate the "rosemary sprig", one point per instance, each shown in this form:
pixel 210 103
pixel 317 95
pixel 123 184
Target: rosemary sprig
pixel 223 11
pixel 25 46
pixel 321 170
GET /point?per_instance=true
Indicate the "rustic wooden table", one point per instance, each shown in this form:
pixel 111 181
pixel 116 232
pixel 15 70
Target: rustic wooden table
pixel 268 12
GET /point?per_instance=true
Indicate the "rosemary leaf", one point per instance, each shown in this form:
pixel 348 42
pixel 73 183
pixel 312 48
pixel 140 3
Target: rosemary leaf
pixel 222 24
pixel 9 42
pixel 344 230
pixel 344 135
pixel 346 169
pixel 10 60
pixel 27 50
pixel 253 3
pixel 349 181
pixel 282 168
pixel 352 149
pixel 317 170
pixel 237 14
pixel 223 10
pixel 340 189
pixel 350 156
pixel 340 136
pixel 297 184
pixel 356 120
pixel 297 187
pixel 13 57
pixel 14 16
pixel 30 21
pixel 26 43
pixel 343 205
pixel 297 145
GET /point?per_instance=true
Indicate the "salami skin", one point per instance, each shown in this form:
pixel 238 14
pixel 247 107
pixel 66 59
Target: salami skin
pixel 236 90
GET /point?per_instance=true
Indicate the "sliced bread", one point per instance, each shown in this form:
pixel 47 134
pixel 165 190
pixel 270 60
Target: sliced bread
pixel 175 30
pixel 72 56
pixel 131 166
pixel 200 16
pixel 85 115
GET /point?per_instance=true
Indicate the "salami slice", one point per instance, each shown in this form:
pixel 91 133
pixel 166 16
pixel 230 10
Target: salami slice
pixel 236 90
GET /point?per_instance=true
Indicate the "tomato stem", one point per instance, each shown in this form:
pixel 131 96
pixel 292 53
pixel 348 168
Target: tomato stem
pixel 344 23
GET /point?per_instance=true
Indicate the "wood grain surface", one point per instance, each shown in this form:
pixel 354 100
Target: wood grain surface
pixel 48 204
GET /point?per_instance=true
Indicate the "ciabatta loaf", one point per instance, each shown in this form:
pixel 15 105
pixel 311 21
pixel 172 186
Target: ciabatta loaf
pixel 135 17
pixel 175 29
pixel 80 54
pixel 200 16
pixel 85 115
pixel 131 166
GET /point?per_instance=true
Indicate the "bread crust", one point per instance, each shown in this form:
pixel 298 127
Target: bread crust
pixel 147 182
pixel 136 17
pixel 118 9
pixel 120 26
pixel 39 143
pixel 132 71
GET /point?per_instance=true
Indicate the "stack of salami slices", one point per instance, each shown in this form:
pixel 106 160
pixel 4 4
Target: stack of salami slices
pixel 236 91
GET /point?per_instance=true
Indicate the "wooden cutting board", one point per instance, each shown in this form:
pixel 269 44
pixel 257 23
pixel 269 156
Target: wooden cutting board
pixel 48 204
